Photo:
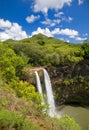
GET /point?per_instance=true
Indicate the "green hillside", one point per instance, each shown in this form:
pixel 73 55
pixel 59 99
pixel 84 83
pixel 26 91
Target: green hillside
pixel 39 49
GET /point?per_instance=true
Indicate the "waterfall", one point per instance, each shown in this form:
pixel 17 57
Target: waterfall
pixel 49 92
pixel 38 84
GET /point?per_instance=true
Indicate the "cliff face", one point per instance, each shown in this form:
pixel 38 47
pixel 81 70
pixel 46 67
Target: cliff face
pixel 71 82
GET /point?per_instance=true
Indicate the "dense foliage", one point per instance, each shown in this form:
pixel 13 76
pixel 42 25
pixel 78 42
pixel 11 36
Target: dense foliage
pixel 85 48
pixel 39 50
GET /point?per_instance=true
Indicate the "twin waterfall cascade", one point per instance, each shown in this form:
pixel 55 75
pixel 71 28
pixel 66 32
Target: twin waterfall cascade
pixel 49 92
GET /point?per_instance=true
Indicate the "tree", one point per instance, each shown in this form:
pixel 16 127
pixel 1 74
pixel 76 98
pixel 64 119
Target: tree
pixel 11 65
pixel 85 48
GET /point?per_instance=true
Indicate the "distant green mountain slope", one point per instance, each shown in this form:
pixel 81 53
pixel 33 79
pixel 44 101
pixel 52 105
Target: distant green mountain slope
pixel 42 50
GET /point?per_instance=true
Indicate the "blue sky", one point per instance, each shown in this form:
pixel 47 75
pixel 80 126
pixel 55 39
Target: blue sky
pixel 64 19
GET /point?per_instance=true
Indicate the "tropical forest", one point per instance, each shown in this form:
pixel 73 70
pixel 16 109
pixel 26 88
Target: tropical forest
pixel 25 65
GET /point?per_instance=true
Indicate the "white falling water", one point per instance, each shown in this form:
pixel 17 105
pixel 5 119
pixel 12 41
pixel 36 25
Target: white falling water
pixel 39 85
pixel 49 92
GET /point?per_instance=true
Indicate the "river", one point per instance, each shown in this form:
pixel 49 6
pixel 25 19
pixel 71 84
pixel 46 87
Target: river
pixel 80 114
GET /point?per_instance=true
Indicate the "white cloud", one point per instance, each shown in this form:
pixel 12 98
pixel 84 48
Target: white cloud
pixel 80 2
pixel 14 31
pixel 86 34
pixel 4 36
pixel 32 18
pixel 11 31
pixel 80 39
pixel 68 41
pixel 57 31
pixel 45 5
pixel 68 32
pixel 45 31
pixel 50 22
pixel 59 17
pixel 59 14
pixel 62 17
pixel 66 19
pixel 4 24
pixel 70 19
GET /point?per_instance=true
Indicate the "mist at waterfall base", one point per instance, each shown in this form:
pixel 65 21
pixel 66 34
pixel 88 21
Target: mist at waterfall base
pixel 49 93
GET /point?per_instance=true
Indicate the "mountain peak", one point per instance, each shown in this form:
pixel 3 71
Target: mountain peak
pixel 39 36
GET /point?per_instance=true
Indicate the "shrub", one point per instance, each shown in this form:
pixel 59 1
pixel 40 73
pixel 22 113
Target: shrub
pixel 10 120
pixel 26 90
pixel 67 123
